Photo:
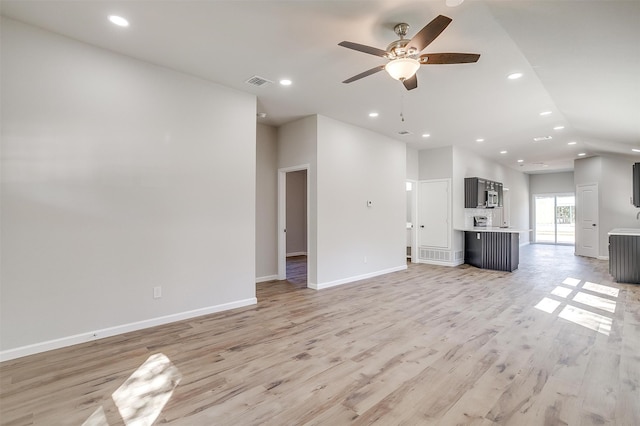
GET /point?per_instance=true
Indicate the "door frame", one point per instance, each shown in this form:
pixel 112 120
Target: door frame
pixel 282 216
pixel 414 219
pixel 449 219
pixel 555 196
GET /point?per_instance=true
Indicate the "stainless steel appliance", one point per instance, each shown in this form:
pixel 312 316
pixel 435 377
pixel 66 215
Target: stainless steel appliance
pixel 492 198
pixel 480 221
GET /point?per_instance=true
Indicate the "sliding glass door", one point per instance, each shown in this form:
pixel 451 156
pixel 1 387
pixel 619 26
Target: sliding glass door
pixel 555 218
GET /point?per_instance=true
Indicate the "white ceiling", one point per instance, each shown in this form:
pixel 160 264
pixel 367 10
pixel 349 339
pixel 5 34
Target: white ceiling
pixel 580 59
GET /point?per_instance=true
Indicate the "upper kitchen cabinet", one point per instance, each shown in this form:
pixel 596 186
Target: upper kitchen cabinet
pixel 474 192
pixel 482 193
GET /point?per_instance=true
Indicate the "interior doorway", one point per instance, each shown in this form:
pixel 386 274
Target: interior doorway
pixel 412 207
pixel 293 224
pixel 555 219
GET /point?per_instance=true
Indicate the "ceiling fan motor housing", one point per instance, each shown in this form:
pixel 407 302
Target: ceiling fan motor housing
pixel 398 48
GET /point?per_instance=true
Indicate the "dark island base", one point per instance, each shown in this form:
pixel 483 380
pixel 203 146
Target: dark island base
pixel 499 251
pixel 624 258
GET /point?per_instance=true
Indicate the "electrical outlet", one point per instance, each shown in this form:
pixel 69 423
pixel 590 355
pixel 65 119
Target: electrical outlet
pixel 157 292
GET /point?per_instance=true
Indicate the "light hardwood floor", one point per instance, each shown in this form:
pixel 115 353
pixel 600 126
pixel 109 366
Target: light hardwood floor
pixel 430 345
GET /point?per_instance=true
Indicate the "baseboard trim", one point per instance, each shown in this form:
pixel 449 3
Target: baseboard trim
pixel 440 263
pixel 49 345
pixel 297 253
pixel 266 278
pixel 603 257
pixel 320 286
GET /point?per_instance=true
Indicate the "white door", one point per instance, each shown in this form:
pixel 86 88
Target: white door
pixel 587 236
pixel 433 213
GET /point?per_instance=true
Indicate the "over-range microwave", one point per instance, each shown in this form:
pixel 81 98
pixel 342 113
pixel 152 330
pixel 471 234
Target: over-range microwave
pixel 492 198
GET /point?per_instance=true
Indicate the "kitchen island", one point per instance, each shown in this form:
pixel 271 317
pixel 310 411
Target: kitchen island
pixel 494 248
pixel 624 255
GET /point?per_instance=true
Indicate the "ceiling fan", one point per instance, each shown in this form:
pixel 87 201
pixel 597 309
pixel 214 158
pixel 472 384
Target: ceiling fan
pixel 403 53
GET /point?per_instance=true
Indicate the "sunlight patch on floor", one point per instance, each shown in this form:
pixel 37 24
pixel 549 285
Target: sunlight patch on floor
pixel 583 317
pixel 595 302
pixel 561 291
pixel 141 398
pixel 587 319
pixel 547 305
pixel 571 281
pixel 98 418
pixel 602 289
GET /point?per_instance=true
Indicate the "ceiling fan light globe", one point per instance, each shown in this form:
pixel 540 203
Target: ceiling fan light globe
pixel 402 68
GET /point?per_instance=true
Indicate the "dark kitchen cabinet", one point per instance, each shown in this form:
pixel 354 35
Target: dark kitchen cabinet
pixel 499 251
pixel 475 192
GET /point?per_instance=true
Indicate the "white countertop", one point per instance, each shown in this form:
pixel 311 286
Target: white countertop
pixel 635 232
pixel 493 229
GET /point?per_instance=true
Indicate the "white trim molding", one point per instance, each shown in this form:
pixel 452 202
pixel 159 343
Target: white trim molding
pixel 320 286
pixel 297 253
pixel 49 345
pixel 266 278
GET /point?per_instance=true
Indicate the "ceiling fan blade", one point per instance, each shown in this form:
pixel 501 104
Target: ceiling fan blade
pixel 411 83
pixel 429 33
pixel 363 48
pixel 448 58
pixel 364 74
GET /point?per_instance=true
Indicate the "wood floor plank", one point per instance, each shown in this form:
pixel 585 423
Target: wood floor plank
pixel 429 345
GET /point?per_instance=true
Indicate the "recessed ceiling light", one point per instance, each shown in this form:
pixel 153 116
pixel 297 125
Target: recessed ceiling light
pixel 373 114
pixel 514 75
pixel 558 128
pixel 503 152
pixel 520 161
pixel 118 20
pixel 545 113
pixel 479 140
pixel 285 82
pixel 635 150
pixel 453 3
pixel 582 154
pixel 572 143
pixel 542 138
pixel 425 135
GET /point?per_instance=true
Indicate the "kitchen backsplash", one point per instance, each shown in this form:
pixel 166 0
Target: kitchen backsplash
pixel 494 216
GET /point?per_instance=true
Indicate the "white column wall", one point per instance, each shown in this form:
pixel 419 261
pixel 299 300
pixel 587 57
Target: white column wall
pixel 356 165
pixel 266 203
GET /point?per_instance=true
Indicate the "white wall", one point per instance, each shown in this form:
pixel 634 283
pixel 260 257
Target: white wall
pixel 297 212
pixel 613 174
pixel 266 203
pixel 413 164
pixel 436 163
pixel 117 176
pixel 552 183
pixel 356 165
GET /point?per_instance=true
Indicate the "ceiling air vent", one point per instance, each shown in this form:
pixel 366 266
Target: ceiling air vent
pixel 404 132
pixel 257 81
